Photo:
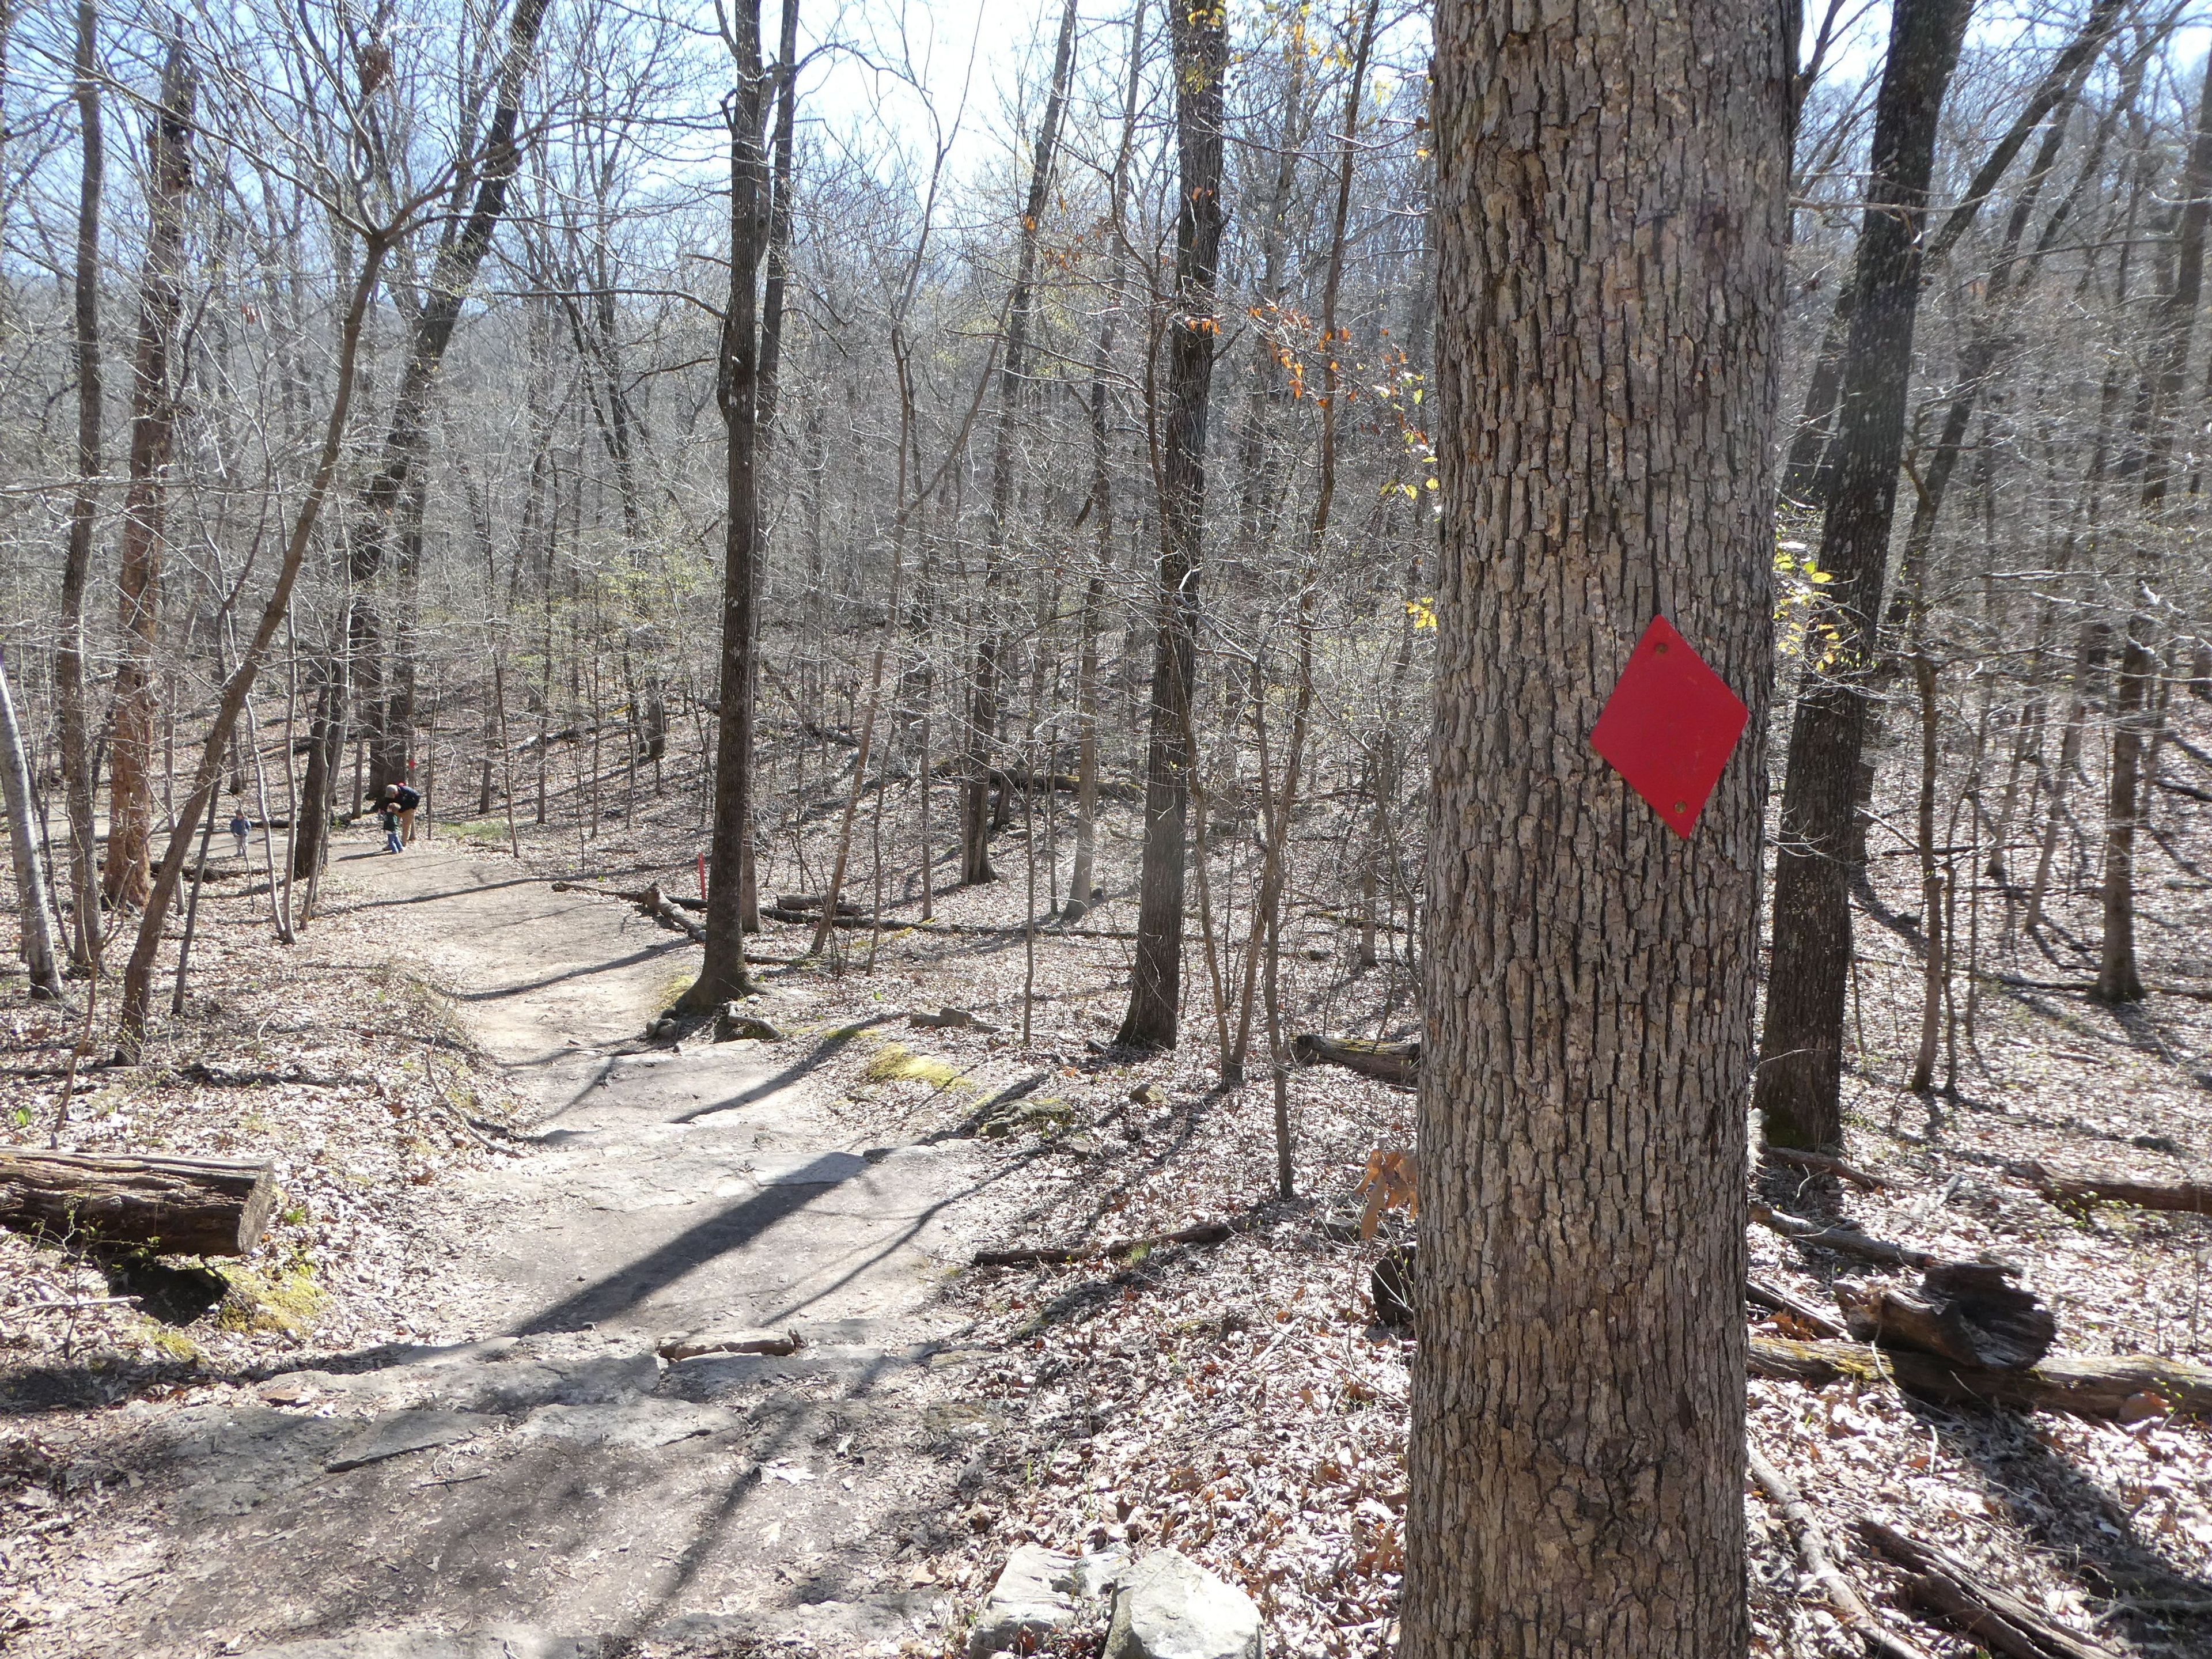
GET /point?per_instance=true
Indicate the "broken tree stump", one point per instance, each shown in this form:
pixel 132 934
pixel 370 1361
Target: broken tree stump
pixel 1388 1062
pixel 1965 1311
pixel 171 1205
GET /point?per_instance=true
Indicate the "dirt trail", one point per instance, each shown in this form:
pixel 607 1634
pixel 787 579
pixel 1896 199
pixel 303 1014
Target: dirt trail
pixel 550 1485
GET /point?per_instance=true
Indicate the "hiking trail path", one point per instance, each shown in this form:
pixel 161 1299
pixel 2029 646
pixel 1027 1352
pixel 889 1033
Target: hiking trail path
pixel 551 1488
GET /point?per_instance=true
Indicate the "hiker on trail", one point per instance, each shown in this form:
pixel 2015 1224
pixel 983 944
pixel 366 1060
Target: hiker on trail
pixel 398 798
pixel 388 820
pixel 240 829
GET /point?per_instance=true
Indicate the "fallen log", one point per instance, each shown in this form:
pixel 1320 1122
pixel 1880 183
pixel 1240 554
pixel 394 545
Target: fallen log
pixel 1941 1582
pixel 1812 1545
pixel 1964 1312
pixel 1821 1163
pixel 1780 1301
pixel 2128 1387
pixel 1390 1062
pixel 651 900
pixel 1044 929
pixel 171 1206
pixel 2190 1197
pixel 800 903
pixel 1204 1232
pixel 1845 1241
pixel 655 904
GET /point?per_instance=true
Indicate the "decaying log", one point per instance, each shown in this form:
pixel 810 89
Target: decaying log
pixel 2128 1387
pixel 1964 1312
pixel 1204 1233
pixel 1780 1301
pixel 1812 1545
pixel 651 900
pixel 800 903
pixel 1996 1618
pixel 173 1205
pixel 1821 1163
pixel 1845 1241
pixel 2190 1197
pixel 1390 1062
pixel 655 904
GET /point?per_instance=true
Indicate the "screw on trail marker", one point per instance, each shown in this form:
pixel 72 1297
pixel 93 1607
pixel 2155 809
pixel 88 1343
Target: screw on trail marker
pixel 1669 726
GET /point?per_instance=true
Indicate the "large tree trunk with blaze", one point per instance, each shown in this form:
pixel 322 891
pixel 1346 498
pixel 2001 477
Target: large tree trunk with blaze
pixel 153 431
pixel 1799 1090
pixel 1200 39
pixel 1611 252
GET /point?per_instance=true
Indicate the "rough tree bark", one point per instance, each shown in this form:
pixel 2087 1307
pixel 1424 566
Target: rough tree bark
pixel 1612 240
pixel 1801 1069
pixel 1201 42
pixel 153 429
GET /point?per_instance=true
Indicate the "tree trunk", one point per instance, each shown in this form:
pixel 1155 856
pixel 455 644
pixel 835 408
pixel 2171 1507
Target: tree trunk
pixel 1576 1453
pixel 77 567
pixel 976 820
pixel 1800 1077
pixel 153 426
pixel 138 974
pixel 2118 980
pixel 23 847
pixel 382 506
pixel 1201 40
pixel 722 975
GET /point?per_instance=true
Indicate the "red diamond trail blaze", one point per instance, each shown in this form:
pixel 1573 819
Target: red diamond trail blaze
pixel 1669 726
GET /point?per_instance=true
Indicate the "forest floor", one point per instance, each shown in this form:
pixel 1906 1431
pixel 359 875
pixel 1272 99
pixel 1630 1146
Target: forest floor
pixel 432 1403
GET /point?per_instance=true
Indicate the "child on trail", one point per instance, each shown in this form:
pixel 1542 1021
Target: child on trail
pixel 239 830
pixel 398 798
pixel 390 819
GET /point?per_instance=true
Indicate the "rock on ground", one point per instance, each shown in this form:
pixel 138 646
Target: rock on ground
pixel 1171 1608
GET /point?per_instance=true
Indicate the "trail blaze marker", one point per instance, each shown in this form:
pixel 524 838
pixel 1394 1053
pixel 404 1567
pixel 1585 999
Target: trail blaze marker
pixel 1669 726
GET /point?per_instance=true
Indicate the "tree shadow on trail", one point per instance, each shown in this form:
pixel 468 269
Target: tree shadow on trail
pixel 2090 1533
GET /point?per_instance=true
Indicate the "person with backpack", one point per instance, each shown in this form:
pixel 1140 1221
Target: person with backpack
pixel 405 801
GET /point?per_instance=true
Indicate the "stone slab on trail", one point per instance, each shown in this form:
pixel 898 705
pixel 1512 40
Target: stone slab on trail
pixel 425 1642
pixel 401 1432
